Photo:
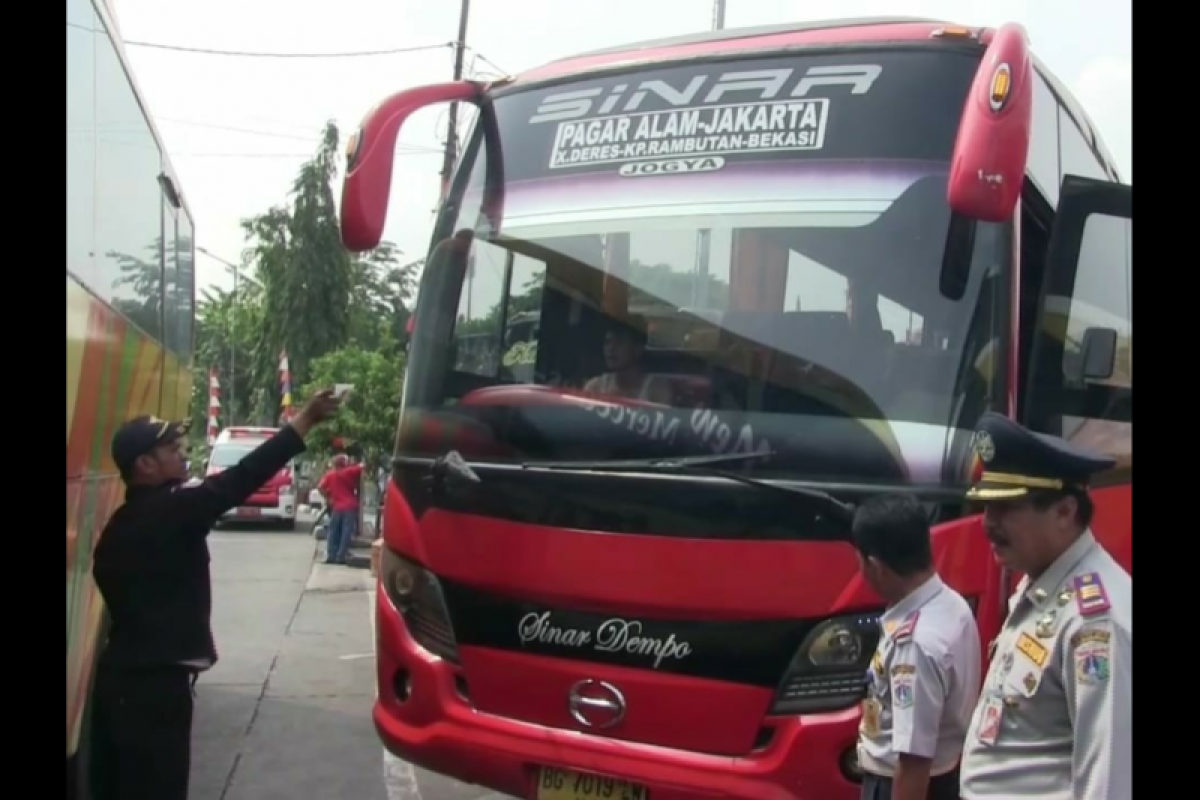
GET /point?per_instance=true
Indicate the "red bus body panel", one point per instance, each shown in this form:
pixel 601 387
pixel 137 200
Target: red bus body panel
pixel 517 714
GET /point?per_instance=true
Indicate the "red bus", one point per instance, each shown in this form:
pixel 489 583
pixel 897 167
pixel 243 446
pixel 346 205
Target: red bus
pixel 846 241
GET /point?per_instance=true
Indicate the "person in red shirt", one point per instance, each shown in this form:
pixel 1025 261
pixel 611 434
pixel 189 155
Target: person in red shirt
pixel 339 487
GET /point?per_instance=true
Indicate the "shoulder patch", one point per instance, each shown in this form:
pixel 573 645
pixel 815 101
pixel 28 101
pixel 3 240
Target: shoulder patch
pixel 1098 636
pixel 903 686
pixel 905 629
pixel 1090 596
pixel 1092 655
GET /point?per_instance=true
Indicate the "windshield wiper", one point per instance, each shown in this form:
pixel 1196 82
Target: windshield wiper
pixel 659 462
pixel 703 465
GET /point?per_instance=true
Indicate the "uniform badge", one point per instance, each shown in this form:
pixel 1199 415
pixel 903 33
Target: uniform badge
pixel 1030 681
pixel 905 629
pixel 984 447
pixel 904 680
pixel 989 723
pixel 870 717
pixel 1004 666
pixel 1093 656
pixel 1090 596
pixel 1045 625
pixel 1032 649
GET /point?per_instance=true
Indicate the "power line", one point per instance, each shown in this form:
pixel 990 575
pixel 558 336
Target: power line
pixel 258 132
pixel 212 51
pixel 235 129
pixel 427 152
pixel 402 148
pixel 240 155
pixel 488 61
pixel 260 54
pixel 209 51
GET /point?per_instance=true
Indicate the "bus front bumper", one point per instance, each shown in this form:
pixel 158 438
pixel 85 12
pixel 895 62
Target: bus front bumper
pixel 435 727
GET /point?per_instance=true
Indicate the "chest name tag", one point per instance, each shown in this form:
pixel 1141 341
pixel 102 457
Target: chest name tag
pixel 1032 649
pixel 989 723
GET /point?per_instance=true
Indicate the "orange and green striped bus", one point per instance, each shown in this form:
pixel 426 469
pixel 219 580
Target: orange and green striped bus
pixel 130 314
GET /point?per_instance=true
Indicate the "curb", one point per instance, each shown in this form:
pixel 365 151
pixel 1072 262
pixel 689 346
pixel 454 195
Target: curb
pixel 357 557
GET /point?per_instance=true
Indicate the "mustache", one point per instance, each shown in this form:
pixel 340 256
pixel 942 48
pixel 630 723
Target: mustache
pixel 995 533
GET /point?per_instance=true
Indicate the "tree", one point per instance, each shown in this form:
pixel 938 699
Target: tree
pixel 368 418
pixel 302 292
pixel 381 290
pixel 306 273
pixel 228 333
pixel 160 287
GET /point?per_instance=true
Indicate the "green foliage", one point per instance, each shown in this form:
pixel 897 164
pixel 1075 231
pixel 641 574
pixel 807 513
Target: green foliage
pixel 228 337
pixel 368 418
pixel 301 291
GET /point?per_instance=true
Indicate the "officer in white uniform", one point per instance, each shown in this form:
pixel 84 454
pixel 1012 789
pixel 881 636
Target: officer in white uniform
pixel 924 677
pixel 1055 718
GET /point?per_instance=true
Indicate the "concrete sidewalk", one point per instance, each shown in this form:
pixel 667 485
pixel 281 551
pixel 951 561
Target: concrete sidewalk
pixel 286 713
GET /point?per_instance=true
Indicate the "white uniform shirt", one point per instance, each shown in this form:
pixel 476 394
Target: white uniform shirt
pixel 923 682
pixel 1055 721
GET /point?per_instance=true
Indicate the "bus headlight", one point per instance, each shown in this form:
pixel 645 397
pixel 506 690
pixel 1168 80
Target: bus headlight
pixel 828 672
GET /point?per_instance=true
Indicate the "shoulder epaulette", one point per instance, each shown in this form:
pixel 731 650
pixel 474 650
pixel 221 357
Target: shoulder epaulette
pixel 1090 596
pixel 905 629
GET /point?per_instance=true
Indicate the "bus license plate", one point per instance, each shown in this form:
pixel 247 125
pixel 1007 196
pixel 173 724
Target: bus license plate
pixel 561 784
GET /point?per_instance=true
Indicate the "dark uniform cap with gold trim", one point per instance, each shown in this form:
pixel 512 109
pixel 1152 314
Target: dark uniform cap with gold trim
pixel 140 435
pixel 1017 461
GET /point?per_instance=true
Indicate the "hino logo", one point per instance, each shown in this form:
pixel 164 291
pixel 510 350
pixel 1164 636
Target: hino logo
pixel 596 704
pixel 761 84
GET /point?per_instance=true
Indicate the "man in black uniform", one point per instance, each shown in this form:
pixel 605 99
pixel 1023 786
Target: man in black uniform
pixel 151 567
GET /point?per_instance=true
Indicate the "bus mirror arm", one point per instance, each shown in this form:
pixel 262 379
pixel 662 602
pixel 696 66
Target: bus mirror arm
pixel 370 157
pixel 956 257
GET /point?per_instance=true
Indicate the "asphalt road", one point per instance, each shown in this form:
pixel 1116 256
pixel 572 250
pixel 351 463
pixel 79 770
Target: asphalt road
pixel 285 713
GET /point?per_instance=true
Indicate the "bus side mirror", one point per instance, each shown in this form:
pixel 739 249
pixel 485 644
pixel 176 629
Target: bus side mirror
pixel 987 168
pixel 371 155
pixel 1097 356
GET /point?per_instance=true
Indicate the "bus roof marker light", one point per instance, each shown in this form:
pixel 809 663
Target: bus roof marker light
pixel 954 32
pixel 1001 87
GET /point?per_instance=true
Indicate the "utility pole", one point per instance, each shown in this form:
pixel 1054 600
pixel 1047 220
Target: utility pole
pixel 233 332
pixel 700 283
pixel 718 15
pixel 452 134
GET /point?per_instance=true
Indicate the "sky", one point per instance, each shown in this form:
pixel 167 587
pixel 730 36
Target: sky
pixel 238 128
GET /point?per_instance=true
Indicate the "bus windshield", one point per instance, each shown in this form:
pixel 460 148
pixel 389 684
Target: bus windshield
pixel 716 257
